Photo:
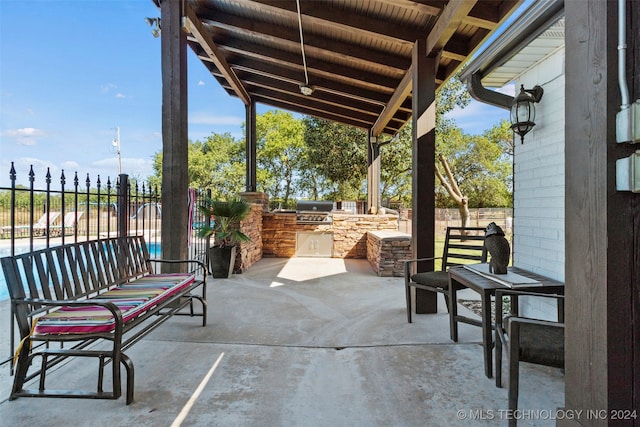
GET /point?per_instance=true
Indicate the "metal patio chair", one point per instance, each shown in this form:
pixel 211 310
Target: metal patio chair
pixel 462 245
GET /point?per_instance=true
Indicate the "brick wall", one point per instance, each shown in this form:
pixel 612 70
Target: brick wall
pixel 539 191
pixel 539 176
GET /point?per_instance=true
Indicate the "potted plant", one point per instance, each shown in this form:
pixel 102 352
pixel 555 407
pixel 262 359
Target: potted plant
pixel 223 227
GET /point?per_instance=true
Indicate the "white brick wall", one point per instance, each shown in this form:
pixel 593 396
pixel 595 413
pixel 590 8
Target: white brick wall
pixel 538 243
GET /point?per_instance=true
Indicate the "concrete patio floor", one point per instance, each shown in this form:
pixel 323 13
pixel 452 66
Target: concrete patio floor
pixel 301 341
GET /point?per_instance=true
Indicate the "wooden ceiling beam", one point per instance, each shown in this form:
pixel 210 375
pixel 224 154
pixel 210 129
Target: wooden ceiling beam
pixel 351 23
pixel 443 31
pixel 399 96
pixel 204 39
pixel 255 45
pixel 292 104
pixel 316 102
pixel 483 15
pixel 427 9
pixel 314 45
pixel 346 88
pixel 245 52
pixel 447 24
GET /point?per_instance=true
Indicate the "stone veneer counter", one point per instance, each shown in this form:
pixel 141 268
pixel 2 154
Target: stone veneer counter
pixel 280 229
pixel 387 250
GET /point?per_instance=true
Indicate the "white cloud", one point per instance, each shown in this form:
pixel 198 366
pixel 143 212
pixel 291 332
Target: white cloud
pixel 201 83
pixel 70 165
pixel 25 136
pixel 120 95
pixel 108 87
pixel 212 119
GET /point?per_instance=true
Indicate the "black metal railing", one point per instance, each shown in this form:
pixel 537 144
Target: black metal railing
pixel 35 215
pixel 49 212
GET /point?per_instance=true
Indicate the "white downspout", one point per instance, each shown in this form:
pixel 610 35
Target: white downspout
pixel 628 118
pixel 622 52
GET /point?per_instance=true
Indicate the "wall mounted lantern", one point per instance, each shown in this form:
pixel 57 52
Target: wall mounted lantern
pixel 523 112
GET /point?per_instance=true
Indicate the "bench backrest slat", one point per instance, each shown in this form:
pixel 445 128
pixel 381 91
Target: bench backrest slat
pixel 62 276
pixel 101 258
pixel 16 289
pixel 139 257
pixel 90 275
pixel 74 265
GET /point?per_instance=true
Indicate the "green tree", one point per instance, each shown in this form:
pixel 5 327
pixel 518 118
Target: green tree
pixel 337 160
pixel 217 164
pixel 473 168
pixel 280 153
pixel 502 135
pixel 395 167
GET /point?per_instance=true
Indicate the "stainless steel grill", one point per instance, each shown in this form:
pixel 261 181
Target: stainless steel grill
pixel 313 211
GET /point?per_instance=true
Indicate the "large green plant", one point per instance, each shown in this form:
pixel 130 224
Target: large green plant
pixel 225 216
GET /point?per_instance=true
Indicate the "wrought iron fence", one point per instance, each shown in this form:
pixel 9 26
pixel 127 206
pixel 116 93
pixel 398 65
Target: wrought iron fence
pixel 59 212
pixel 54 211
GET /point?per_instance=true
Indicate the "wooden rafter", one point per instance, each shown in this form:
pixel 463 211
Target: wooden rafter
pixel 202 36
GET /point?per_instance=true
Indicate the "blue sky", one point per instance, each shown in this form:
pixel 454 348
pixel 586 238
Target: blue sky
pixel 71 71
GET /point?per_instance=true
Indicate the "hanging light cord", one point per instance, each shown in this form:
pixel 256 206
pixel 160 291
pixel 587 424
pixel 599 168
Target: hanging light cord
pixel 304 59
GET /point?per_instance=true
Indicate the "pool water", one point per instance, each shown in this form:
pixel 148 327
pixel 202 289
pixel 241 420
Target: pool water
pixel 154 252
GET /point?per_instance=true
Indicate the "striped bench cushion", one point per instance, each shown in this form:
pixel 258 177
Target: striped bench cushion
pixel 133 299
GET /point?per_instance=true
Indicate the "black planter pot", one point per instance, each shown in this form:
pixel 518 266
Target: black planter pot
pixel 221 261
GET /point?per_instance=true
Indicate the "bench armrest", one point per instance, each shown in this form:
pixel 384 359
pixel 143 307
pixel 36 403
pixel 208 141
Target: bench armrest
pixel 181 261
pixel 109 305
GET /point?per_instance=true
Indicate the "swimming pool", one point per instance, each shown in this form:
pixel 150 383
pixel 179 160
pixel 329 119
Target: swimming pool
pixel 154 252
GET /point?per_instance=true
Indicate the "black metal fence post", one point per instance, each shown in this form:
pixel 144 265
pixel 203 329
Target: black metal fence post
pixel 12 213
pixel 63 206
pixel 123 205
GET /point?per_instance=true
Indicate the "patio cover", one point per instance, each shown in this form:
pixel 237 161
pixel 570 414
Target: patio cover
pixel 358 52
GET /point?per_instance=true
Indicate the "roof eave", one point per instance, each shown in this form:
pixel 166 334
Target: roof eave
pixel 530 24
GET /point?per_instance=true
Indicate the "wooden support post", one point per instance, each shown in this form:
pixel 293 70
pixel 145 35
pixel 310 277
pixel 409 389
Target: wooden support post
pixel 423 167
pixel 251 144
pixel 175 207
pixel 373 174
pixel 602 268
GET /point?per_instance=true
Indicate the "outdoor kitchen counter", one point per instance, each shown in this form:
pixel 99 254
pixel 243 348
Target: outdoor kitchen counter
pixel 280 229
pixel 387 250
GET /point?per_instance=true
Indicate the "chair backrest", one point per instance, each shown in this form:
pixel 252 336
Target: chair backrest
pixel 71 218
pixel 50 218
pixel 463 245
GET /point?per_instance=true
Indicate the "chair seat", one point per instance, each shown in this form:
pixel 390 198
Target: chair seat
pixel 132 299
pixel 436 279
pixel 540 344
pixel 462 245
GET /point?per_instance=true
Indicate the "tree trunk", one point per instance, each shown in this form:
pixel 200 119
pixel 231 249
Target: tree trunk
pixel 454 191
